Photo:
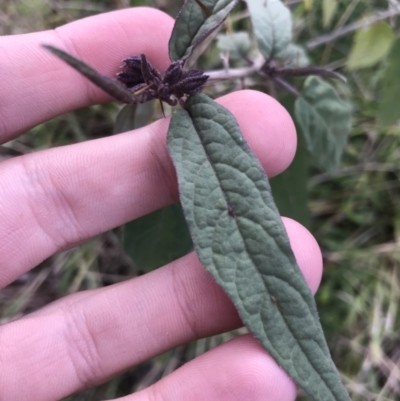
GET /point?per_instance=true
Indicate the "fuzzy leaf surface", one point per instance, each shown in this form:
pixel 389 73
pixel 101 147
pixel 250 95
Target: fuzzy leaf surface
pixel 240 239
pixel 196 20
pixel 325 120
pixel 272 26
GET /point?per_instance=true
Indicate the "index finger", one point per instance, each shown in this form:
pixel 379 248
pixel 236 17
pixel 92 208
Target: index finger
pixel 36 86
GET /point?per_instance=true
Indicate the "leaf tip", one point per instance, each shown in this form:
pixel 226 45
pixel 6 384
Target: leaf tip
pixel 50 48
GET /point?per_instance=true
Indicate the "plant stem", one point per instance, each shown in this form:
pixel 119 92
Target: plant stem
pixel 235 73
pixel 352 27
pixel 286 85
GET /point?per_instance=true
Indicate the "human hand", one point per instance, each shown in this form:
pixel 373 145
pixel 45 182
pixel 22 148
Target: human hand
pixel 56 198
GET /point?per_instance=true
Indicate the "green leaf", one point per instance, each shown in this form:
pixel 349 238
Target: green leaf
pixel 196 20
pixel 294 56
pixel 329 8
pixel 272 26
pixel 389 109
pixel 161 236
pixel 370 46
pixel 133 116
pixel 240 239
pixel 125 120
pixel 290 187
pixel 325 120
pixel 110 86
pixel 157 238
pixel 236 44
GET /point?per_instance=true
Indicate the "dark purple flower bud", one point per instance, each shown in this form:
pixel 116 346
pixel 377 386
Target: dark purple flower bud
pixel 130 78
pixel 133 63
pixel 192 85
pixel 150 73
pixel 173 73
pixel 146 83
pixel 192 73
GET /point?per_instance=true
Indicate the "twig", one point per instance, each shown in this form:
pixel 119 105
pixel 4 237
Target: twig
pixel 235 73
pixel 352 27
pixel 285 85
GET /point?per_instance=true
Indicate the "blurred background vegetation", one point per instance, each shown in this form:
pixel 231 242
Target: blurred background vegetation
pixel 355 215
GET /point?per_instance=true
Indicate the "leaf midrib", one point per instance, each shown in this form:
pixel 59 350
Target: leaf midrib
pixel 249 253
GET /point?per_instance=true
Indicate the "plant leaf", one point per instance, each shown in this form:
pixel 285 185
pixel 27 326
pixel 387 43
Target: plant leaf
pixel 236 44
pixel 370 46
pixel 388 109
pixel 193 24
pixel 157 238
pixel 161 236
pixel 125 120
pixel 294 56
pixel 272 26
pixel 240 239
pixel 325 120
pixel 132 116
pixel 110 86
pixel 289 188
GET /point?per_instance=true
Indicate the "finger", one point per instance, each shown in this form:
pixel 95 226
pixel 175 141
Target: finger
pixel 89 337
pixel 308 254
pixel 237 370
pixel 37 86
pixel 54 199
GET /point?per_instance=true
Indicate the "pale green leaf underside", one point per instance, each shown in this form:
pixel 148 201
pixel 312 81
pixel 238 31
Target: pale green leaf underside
pixel 193 25
pixel 236 44
pixel 240 239
pixel 272 26
pixel 325 120
pixel 294 56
